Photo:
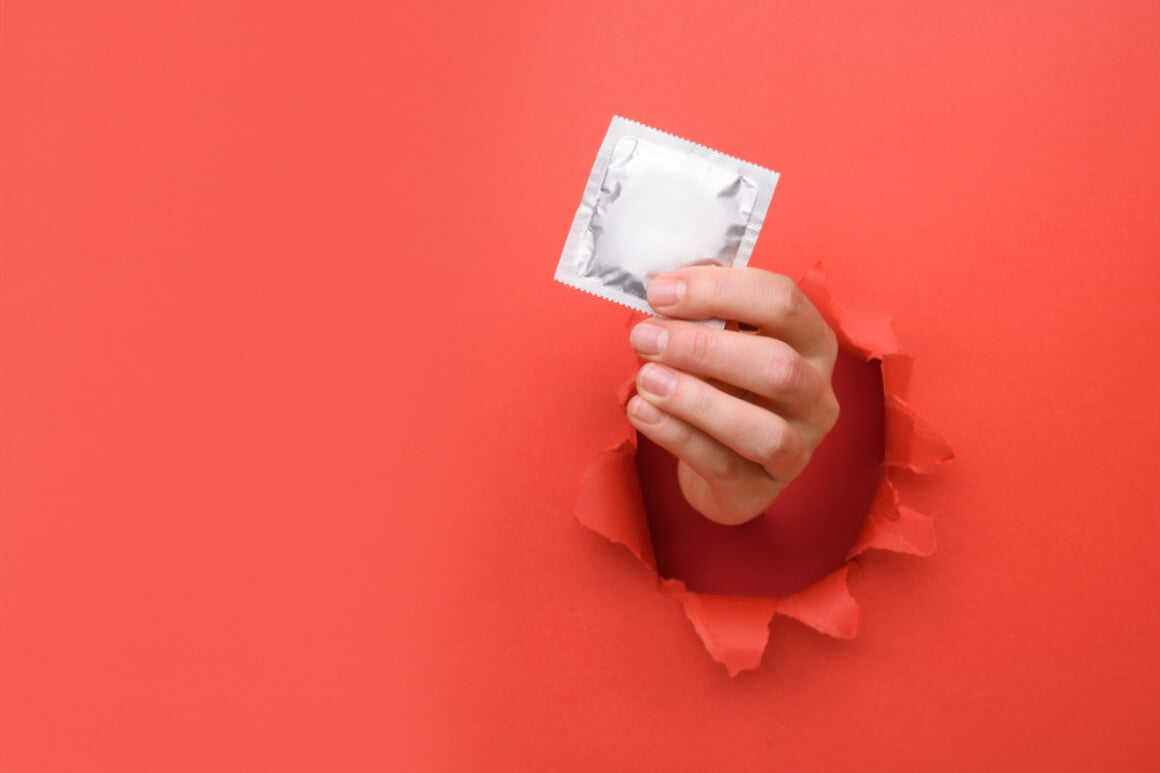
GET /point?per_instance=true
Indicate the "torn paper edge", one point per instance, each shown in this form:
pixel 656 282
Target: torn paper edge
pixel 735 629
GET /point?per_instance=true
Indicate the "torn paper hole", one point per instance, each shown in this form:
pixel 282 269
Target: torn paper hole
pixel 732 580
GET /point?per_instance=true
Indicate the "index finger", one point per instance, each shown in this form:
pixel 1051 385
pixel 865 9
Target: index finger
pixel 771 302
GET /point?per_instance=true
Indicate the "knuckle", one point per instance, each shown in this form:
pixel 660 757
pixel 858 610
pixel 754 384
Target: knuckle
pixel 727 467
pixel 709 288
pixel 702 400
pixel 784 370
pixel 778 444
pixel 787 298
pixel 696 346
pixel 681 436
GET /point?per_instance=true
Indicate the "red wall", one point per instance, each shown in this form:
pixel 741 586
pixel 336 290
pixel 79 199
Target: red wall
pixel 293 414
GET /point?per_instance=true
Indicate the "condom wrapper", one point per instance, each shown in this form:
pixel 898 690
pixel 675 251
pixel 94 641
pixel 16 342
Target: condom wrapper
pixel 655 203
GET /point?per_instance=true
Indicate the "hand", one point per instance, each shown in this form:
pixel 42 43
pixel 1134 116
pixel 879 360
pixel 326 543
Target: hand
pixel 742 411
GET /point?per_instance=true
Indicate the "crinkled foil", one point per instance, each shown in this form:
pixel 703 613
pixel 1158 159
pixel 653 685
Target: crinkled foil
pixel 655 203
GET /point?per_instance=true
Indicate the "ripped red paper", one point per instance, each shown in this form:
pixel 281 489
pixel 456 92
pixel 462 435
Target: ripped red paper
pixel 732 580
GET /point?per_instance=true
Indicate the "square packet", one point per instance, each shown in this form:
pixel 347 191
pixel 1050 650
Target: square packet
pixel 654 203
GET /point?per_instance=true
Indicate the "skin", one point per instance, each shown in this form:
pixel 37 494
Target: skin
pixel 742 409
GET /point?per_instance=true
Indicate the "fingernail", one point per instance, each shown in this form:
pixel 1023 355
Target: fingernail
pixel 657 379
pixel 645 411
pixel 666 292
pixel 647 338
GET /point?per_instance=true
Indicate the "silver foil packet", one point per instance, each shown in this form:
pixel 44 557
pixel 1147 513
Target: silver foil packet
pixel 655 203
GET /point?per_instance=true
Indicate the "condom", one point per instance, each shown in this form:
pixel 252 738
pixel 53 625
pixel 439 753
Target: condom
pixel 655 203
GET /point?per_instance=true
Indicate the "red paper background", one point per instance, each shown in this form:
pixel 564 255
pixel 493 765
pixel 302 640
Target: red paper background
pixel 293 414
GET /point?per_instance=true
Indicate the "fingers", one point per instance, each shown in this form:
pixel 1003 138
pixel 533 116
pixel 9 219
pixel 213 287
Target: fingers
pixel 728 488
pixel 742 412
pixel 755 434
pixel 771 302
pixel 762 366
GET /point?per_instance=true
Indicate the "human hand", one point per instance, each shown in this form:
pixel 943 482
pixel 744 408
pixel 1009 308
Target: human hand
pixel 741 410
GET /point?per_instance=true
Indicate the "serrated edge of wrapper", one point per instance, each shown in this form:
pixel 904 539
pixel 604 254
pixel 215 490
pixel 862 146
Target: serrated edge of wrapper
pixel 567 272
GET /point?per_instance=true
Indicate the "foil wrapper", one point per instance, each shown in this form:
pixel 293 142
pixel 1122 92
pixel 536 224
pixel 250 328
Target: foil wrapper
pixel 655 203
